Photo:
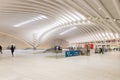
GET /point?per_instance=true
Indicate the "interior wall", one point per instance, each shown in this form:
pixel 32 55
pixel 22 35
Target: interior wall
pixel 61 42
pixel 45 45
pixel 54 42
pixel 6 41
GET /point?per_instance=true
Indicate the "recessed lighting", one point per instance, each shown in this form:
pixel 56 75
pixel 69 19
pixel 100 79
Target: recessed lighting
pixel 31 20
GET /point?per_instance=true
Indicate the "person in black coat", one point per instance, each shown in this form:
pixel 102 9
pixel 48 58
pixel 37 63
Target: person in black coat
pixel 12 48
pixel 1 49
pixel 88 50
pixel 102 50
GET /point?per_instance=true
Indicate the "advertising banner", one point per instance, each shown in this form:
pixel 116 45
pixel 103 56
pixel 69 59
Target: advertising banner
pixel 72 53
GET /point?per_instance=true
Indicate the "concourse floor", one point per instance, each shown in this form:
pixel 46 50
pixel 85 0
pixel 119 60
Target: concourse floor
pixel 32 65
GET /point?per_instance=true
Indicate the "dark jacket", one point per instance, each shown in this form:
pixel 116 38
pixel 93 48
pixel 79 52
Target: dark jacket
pixel 12 48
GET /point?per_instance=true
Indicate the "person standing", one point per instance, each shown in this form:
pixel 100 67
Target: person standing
pixel 12 48
pixel 102 50
pixel 88 50
pixel 1 49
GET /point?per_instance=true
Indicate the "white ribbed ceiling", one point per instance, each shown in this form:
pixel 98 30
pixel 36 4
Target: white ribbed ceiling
pixel 95 19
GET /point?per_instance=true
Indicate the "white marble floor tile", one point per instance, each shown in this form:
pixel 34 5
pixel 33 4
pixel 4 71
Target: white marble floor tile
pixel 44 66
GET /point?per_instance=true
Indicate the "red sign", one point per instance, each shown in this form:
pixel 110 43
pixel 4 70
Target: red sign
pixel 90 45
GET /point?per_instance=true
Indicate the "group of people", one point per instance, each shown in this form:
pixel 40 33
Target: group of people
pixel 12 48
pixel 58 49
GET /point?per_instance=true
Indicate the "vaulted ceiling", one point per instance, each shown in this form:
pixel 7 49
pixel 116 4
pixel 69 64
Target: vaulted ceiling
pixel 94 19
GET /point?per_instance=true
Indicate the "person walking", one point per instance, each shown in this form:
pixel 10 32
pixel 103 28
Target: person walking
pixel 12 48
pixel 1 49
pixel 102 50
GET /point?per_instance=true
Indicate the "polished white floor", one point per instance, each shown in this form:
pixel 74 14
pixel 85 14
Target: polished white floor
pixel 31 65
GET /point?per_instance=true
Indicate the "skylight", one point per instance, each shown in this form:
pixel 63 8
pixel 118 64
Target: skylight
pixel 68 30
pixel 31 20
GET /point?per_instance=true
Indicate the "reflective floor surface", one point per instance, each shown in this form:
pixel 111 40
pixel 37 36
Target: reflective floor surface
pixel 31 65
